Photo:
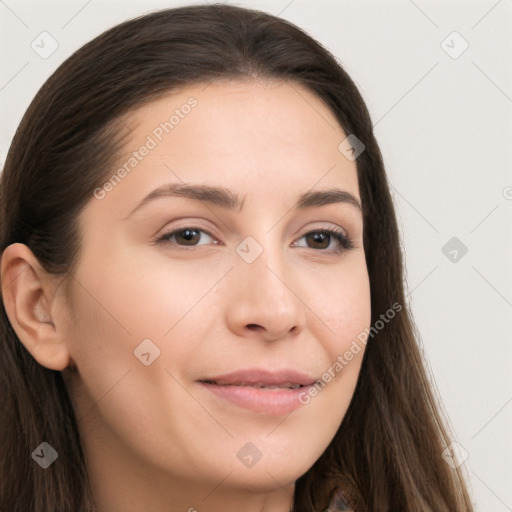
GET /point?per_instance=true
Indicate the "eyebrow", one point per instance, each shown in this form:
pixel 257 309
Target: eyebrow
pixel 225 198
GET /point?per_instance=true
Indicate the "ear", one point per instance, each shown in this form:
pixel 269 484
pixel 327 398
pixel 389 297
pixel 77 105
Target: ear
pixel 28 292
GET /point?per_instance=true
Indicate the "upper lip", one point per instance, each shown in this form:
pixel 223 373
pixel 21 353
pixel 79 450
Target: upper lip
pixel 256 376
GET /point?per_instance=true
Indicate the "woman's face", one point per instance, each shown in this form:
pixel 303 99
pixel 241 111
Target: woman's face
pixel 185 287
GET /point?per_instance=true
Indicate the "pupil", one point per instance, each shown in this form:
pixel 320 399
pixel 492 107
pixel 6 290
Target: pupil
pixel 320 237
pixel 188 234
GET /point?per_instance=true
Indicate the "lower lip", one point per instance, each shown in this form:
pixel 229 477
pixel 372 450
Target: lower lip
pixel 276 401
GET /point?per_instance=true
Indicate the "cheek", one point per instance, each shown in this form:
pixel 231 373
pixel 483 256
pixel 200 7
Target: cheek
pixel 343 308
pixel 101 344
pixel 155 299
pixel 342 303
pixel 116 307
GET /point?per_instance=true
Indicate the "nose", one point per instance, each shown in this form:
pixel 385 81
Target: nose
pixel 264 301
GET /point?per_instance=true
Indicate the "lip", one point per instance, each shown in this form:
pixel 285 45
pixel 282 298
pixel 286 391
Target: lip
pixel 239 388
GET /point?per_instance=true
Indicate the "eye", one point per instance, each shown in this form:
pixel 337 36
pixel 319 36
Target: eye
pixel 188 237
pixel 322 238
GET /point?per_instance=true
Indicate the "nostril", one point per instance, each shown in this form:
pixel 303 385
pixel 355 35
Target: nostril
pixel 254 327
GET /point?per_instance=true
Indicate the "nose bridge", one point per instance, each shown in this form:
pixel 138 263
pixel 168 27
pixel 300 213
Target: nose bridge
pixel 269 279
pixel 266 267
pixel 265 295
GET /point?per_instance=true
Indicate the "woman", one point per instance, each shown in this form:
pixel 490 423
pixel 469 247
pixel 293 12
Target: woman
pixel 203 286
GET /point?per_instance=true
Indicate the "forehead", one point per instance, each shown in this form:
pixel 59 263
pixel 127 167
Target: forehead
pixel 268 139
pixel 240 117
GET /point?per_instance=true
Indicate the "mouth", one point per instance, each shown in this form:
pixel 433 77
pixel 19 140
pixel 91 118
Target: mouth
pixel 258 385
pixel 261 391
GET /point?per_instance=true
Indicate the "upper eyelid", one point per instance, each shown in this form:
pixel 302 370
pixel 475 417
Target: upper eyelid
pixel 329 227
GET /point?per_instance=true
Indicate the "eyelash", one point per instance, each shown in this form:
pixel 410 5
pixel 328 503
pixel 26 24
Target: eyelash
pixel 345 242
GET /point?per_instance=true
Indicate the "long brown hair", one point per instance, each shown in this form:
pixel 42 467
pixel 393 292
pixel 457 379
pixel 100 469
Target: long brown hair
pixel 387 453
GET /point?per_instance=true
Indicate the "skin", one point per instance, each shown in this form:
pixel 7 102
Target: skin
pixel 153 438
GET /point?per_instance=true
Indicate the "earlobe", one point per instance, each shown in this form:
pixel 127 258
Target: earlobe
pixel 27 292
